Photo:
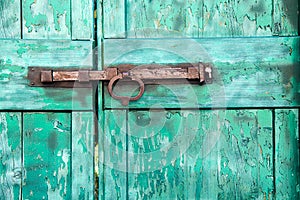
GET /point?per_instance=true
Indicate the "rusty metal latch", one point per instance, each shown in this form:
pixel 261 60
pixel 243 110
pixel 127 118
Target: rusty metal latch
pixel 141 74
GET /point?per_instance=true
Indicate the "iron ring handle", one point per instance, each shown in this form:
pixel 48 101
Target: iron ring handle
pixel 125 100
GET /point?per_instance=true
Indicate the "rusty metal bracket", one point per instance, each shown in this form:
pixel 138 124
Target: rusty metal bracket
pixel 142 74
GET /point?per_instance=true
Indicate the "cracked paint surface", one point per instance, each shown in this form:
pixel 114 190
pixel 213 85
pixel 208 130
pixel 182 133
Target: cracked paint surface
pixel 46 19
pixel 47 156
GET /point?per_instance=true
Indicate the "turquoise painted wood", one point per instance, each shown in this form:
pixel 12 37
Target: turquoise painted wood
pixel 200 160
pixel 82 19
pixel 82 156
pixel 247 152
pixel 237 138
pixel 54 145
pixel 164 18
pixel 42 142
pixel 10 22
pixel 46 19
pixel 261 72
pixel 46 156
pixel 287 149
pixel 11 172
pixel 15 58
pixel 114 18
pixel 237 18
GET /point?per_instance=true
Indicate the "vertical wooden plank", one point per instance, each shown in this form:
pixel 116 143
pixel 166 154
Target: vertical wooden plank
pixel 156 160
pixel 83 155
pixel 245 155
pixel 10 23
pixel 10 156
pixel 46 156
pixel 287 154
pixel 220 19
pixel 114 155
pixel 114 19
pixel 160 18
pixel 46 19
pixel 82 19
pixel 254 17
pixel 237 18
pixel 203 157
pixel 286 17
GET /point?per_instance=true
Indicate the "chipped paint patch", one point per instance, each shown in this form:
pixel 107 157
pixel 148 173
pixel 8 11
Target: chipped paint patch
pixel 47 19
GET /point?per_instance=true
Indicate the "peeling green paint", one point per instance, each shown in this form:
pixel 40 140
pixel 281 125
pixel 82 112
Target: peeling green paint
pixel 47 169
pixel 287 154
pixel 10 153
pixel 61 8
pixel 31 21
pixel 10 19
pixel 47 19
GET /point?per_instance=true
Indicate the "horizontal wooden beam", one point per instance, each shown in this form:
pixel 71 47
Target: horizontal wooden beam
pixel 15 58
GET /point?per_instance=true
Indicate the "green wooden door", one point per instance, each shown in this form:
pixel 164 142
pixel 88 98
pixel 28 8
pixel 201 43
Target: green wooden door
pixel 237 138
pixel 45 133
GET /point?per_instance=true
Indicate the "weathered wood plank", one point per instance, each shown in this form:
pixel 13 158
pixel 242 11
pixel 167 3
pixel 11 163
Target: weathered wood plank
pixel 237 18
pixel 246 165
pixel 113 156
pixel 47 150
pixel 17 55
pixel 10 25
pixel 275 50
pixel 43 19
pixel 287 154
pixel 114 19
pixel 254 17
pixel 10 156
pixel 160 18
pixel 82 19
pixel 247 71
pixel 200 154
pixel 286 17
pixel 156 153
pixel 83 155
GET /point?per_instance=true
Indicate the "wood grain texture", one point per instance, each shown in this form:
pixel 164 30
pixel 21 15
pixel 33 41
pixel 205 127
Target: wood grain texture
pixel 246 167
pixel 113 156
pixel 10 22
pixel 156 153
pixel 287 154
pixel 43 19
pixel 82 19
pixel 114 18
pixel 237 18
pixel 200 154
pixel 10 156
pixel 204 18
pixel 247 71
pixel 286 17
pixel 17 55
pixel 47 150
pixel 83 155
pixel 160 18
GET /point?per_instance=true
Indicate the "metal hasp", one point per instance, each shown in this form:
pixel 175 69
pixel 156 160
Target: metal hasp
pixel 141 74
